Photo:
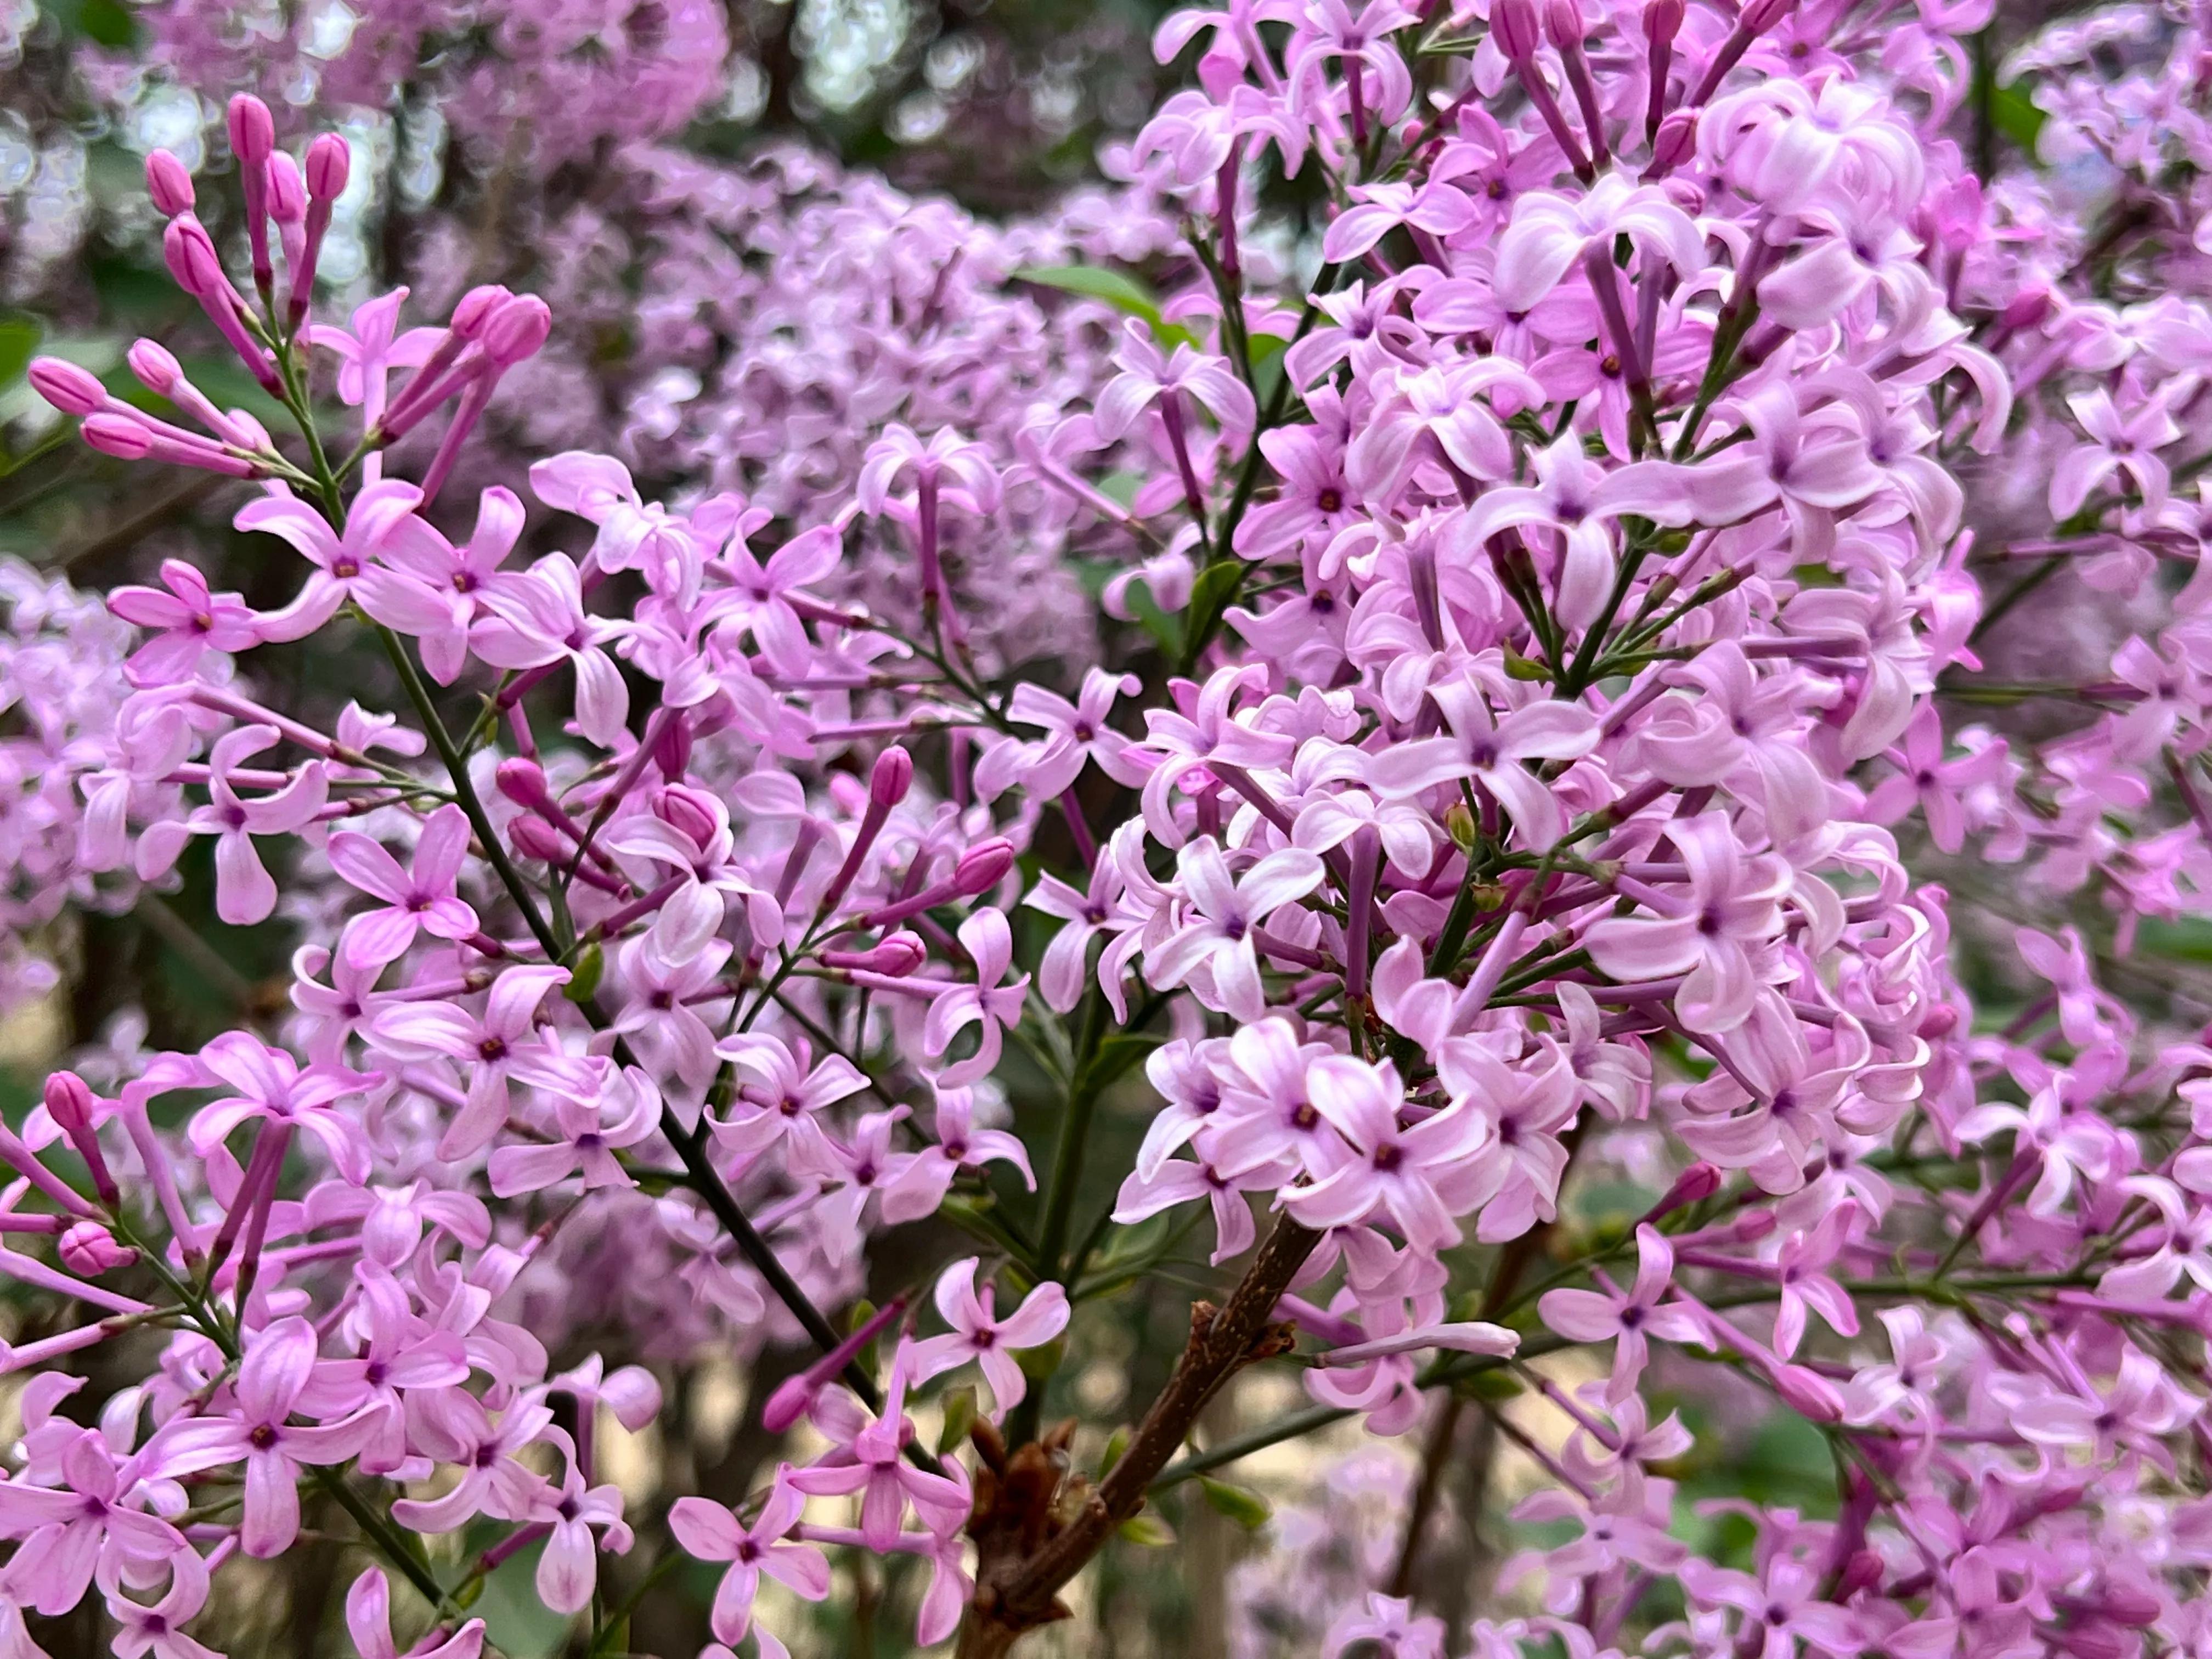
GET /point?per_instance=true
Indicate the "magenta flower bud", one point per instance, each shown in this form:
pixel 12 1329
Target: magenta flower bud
pixel 252 129
pixel 896 957
pixel 2129 1604
pixel 982 866
pixel 2027 308
pixel 191 259
pixel 534 838
pixel 1677 138
pixel 72 390
pixel 1808 1394
pixel 119 436
pixel 1662 20
pixel 1760 15
pixel 516 330
pixel 1563 24
pixel 1693 1186
pixel 792 1399
pixel 522 781
pixel 1754 1227
pixel 672 748
pixel 892 777
pixel 169 184
pixel 2095 1638
pixel 795 1398
pixel 68 1102
pixel 688 809
pixel 156 368
pixel 88 1250
pixel 288 194
pixel 475 309
pixel 1513 26
pixel 329 164
pixel 1862 1572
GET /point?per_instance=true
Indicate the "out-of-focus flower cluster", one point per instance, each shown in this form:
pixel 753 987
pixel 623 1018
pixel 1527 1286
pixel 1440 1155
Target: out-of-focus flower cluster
pixel 1521 697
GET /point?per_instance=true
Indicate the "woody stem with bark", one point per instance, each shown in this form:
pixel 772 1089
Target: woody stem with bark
pixel 1015 1594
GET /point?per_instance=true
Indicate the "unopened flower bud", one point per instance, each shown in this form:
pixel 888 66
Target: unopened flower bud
pixel 1753 1227
pixel 252 129
pixel 1693 1186
pixel 2097 1639
pixel 672 748
pixel 892 777
pixel 119 436
pixel 475 309
pixel 1760 15
pixel 1563 24
pixel 155 366
pixel 1808 1394
pixel 2129 1604
pixel 89 1249
pixel 1662 20
pixel 169 183
pixel 191 258
pixel 896 957
pixel 1460 825
pixel 2027 308
pixel 534 838
pixel 1862 1572
pixel 72 390
pixel 1513 26
pixel 522 780
pixel 982 866
pixel 516 330
pixel 288 194
pixel 68 1102
pixel 329 164
pixel 689 811
pixel 1676 138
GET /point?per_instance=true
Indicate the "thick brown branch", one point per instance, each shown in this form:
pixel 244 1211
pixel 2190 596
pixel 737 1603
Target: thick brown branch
pixel 1016 1591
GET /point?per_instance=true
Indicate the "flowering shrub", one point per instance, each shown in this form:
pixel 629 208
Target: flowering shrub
pixel 1493 718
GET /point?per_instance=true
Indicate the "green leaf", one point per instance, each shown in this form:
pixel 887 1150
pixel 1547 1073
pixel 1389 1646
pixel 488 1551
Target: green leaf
pixel 1211 596
pixel 103 22
pixel 18 342
pixel 2015 114
pixel 1492 1386
pixel 1040 1365
pixel 1115 1056
pixel 1240 1504
pixel 1147 1531
pixel 1116 1444
pixel 1266 353
pixel 959 1418
pixel 1518 667
pixel 1116 289
pixel 584 978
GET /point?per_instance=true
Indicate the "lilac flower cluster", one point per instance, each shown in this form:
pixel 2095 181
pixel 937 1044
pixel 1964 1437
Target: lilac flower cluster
pixel 1520 743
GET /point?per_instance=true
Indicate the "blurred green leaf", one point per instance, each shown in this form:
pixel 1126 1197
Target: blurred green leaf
pixel 959 1418
pixel 104 23
pixel 1147 1531
pixel 1116 289
pixel 1240 1504
pixel 2015 114
pixel 19 343
pixel 1116 1055
pixel 2186 939
pixel 584 980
